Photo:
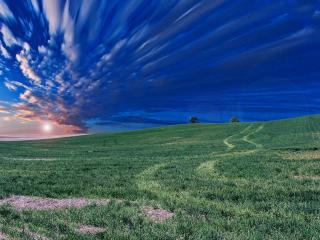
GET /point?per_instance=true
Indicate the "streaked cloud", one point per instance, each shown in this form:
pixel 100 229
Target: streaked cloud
pixel 8 37
pixel 4 52
pixel 154 62
pixel 13 85
pixel 35 5
pixel 52 10
pixel 26 69
pixel 3 110
pixel 10 86
pixel 5 11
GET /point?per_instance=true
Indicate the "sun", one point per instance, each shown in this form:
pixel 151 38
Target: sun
pixel 47 128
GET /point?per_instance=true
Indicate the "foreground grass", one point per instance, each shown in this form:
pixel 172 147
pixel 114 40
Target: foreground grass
pixel 223 181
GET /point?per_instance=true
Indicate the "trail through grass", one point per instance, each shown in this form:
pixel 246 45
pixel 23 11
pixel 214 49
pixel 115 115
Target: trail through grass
pixel 247 139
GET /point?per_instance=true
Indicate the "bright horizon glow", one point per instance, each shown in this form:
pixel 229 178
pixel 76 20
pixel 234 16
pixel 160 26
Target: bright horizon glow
pixel 47 128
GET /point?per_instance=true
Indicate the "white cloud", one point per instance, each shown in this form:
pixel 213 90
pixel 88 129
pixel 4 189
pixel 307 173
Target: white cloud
pixel 307 31
pixel 19 84
pixel 71 52
pixel 13 85
pixel 186 13
pixel 50 84
pixel 8 37
pixel 26 46
pixel 69 48
pixel 35 5
pixel 33 100
pixel 42 49
pixel 63 84
pixel 26 69
pixel 27 96
pixel 10 86
pixel 4 52
pixel 114 51
pixel 5 11
pixel 86 8
pixel 53 14
pixel 61 21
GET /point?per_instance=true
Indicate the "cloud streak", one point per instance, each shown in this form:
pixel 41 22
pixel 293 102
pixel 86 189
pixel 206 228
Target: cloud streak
pixel 5 11
pixel 77 63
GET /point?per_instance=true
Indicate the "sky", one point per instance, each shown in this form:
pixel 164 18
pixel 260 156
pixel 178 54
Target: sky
pixel 81 66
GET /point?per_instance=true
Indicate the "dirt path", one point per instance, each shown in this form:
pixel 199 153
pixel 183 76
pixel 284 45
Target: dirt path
pixel 248 140
pixel 209 166
pixel 227 142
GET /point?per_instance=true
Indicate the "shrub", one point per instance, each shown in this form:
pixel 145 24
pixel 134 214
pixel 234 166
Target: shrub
pixel 194 120
pixel 234 120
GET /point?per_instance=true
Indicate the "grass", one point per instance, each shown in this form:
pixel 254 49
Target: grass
pixel 222 181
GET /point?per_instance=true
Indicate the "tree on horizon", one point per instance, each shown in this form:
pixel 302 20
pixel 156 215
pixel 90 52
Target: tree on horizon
pixel 234 120
pixel 194 119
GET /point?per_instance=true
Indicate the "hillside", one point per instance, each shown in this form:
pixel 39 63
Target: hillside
pixel 219 181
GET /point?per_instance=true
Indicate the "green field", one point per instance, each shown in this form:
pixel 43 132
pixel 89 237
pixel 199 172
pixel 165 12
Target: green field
pixel 222 181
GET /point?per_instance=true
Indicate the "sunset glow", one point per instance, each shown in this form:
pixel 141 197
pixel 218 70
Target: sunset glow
pixel 47 128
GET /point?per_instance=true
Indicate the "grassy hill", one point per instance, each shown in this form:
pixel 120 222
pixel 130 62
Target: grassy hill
pixel 222 181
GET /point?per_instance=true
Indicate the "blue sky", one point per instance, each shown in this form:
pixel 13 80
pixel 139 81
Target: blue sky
pixel 107 65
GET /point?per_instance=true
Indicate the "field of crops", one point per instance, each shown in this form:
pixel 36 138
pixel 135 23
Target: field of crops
pixel 197 181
